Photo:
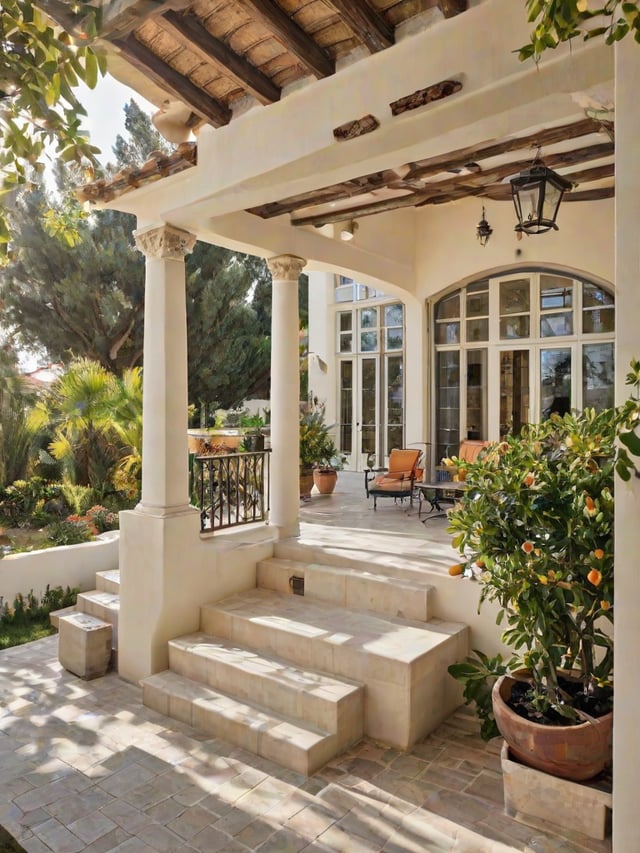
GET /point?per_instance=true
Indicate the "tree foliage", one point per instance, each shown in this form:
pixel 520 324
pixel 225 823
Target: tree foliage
pixel 86 300
pixel 558 21
pixel 39 67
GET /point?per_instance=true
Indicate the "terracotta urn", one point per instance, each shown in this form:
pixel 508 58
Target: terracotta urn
pixel 325 480
pixel 575 752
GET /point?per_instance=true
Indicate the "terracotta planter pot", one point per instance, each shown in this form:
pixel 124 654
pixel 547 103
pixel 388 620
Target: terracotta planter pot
pixel 571 752
pixel 325 480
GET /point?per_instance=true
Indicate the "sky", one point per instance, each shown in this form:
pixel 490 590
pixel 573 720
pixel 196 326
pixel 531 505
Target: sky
pixel 105 112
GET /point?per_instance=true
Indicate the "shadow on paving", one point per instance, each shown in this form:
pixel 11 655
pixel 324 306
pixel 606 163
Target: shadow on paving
pixel 85 766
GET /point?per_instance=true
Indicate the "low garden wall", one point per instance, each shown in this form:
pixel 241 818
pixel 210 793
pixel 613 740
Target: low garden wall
pixel 66 565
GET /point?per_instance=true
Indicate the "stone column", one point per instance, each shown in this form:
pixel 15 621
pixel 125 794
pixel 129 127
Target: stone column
pixel 285 393
pixel 165 453
pixel 626 734
pixel 160 577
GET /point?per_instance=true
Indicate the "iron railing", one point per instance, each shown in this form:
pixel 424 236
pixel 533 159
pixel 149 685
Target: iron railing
pixel 231 489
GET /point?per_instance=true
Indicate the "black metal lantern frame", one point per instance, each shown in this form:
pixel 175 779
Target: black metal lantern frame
pixel 483 230
pixel 537 193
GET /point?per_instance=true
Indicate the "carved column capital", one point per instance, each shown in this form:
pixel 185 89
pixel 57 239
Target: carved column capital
pixel 164 242
pixel 286 267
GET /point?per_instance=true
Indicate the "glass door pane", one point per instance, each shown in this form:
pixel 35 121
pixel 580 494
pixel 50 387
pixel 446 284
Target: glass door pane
pixel 555 382
pixel 368 410
pixel 395 403
pixel 477 394
pixel 514 391
pixel 345 415
pixel 447 405
pixel 597 376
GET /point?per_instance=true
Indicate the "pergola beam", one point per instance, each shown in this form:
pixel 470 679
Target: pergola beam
pixel 190 33
pixel 172 82
pixel 366 23
pixel 292 37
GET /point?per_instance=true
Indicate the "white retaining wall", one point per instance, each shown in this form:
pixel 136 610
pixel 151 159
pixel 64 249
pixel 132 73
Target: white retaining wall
pixel 66 565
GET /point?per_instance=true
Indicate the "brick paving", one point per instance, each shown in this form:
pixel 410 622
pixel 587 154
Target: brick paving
pixel 85 766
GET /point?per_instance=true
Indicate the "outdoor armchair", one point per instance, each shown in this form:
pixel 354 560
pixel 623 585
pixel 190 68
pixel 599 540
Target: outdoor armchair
pixel 396 481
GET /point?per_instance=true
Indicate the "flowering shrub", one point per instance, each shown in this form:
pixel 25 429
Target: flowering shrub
pixel 72 531
pixel 102 518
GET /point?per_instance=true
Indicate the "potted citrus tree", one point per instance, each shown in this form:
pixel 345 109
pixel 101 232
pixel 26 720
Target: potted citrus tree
pixel 535 530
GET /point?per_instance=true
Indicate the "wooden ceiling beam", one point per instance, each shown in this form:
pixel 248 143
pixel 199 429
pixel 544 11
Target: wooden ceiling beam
pixel 455 188
pixel 458 159
pixel 293 38
pixel 190 33
pixel 450 8
pixel 172 82
pixel 365 23
pixel 503 193
pixel 337 192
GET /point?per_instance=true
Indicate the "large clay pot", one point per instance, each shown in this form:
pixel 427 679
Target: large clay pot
pixel 325 480
pixel 576 752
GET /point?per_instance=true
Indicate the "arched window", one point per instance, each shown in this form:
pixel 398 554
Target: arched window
pixel 515 348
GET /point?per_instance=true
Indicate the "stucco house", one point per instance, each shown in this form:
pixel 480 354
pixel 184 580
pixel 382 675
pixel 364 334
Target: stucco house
pixel 397 125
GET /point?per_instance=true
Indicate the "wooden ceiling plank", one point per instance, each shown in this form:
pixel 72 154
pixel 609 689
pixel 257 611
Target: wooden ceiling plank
pixel 366 23
pixel 188 30
pixel 458 159
pixel 172 82
pixel 450 8
pixel 292 37
pixel 586 176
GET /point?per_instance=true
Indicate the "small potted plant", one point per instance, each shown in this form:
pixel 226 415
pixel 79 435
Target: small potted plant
pixel 535 529
pixel 317 448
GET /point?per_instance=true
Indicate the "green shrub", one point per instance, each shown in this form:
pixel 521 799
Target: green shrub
pixel 23 499
pixel 71 531
pixel 79 498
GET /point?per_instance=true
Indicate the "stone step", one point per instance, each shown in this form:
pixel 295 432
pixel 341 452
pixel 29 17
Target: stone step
pixel 108 581
pixel 402 663
pixel 390 564
pixel 291 744
pixel 56 615
pixel 327 703
pixel 349 587
pixel 102 605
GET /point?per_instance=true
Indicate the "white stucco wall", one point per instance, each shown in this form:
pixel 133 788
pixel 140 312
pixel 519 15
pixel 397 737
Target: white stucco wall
pixel 67 565
pixel 448 251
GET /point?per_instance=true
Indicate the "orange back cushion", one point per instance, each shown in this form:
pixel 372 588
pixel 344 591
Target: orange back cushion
pixel 402 462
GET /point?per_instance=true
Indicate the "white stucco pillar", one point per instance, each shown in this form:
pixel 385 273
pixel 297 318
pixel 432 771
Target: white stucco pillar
pixel 626 733
pixel 285 393
pixel 165 452
pixel 159 574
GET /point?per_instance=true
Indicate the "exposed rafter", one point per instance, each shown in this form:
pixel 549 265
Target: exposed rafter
pixel 187 30
pixel 366 23
pixel 173 82
pixel 454 188
pixel 294 39
pixel 449 8
pixel 459 158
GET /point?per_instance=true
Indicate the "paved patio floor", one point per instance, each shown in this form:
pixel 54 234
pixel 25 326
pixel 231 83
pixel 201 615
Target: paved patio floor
pixel 85 766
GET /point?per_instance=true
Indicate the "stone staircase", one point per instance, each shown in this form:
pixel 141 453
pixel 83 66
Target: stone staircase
pixel 103 603
pixel 297 678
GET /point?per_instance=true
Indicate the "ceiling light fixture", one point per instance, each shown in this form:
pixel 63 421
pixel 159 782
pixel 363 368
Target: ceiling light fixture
pixel 537 193
pixel 483 230
pixel 348 230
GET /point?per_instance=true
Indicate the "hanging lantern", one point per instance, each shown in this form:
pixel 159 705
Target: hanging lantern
pixel 483 230
pixel 537 193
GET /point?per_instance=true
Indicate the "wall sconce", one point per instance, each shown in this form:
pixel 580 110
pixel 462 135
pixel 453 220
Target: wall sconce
pixel 483 230
pixel 537 193
pixel 348 230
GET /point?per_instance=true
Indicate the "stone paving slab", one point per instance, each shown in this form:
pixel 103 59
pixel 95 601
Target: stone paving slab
pixel 86 767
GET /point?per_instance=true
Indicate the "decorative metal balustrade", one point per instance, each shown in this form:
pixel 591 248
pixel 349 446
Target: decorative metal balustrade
pixel 231 489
